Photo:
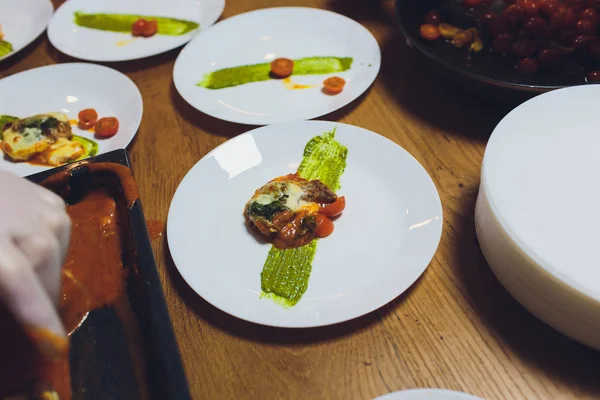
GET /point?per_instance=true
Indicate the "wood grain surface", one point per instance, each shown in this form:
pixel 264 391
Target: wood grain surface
pixel 456 328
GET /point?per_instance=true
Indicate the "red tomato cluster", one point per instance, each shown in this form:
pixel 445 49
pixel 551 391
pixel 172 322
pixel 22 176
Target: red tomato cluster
pixel 323 218
pixel 104 127
pixel 541 34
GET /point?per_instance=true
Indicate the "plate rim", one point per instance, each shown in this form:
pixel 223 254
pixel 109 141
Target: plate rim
pixel 427 391
pixel 321 126
pixel 50 10
pixel 241 121
pixel 125 59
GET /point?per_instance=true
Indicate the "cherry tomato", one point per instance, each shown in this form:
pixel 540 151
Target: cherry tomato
pixel 549 7
pixel 151 28
pixel 593 76
pixel 430 32
pixel 487 18
pixel 586 27
pixel 567 37
pixel 433 17
pixel 324 226
pixel 516 12
pixel 549 58
pixel 503 43
pixel 282 67
pixel 85 125
pixel 334 85
pixel 576 4
pixel 87 118
pixel 499 24
pixel 528 65
pixel 334 209
pixel 471 3
pixel 531 7
pixel 536 27
pixel 589 14
pixel 581 42
pixel 523 48
pixel 107 127
pixel 569 18
pixel 138 27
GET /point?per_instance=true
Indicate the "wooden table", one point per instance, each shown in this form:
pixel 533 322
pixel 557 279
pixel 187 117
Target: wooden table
pixel 456 328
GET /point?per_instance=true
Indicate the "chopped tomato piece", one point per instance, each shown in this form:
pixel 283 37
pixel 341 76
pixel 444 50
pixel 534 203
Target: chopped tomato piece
pixel 324 226
pixel 138 27
pixel 151 28
pixel 107 127
pixel 334 85
pixel 282 67
pixel 334 209
pixel 87 118
pixel 430 32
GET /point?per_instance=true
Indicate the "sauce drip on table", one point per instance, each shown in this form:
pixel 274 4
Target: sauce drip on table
pixel 155 228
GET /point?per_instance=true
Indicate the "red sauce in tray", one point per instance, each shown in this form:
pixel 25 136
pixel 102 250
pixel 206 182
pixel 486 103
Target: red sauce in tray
pixel 93 272
pixel 92 277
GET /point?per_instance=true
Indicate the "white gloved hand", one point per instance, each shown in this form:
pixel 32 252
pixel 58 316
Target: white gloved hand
pixel 34 238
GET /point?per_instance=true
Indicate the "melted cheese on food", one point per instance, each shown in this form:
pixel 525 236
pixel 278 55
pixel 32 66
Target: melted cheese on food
pixel 294 200
pixel 23 146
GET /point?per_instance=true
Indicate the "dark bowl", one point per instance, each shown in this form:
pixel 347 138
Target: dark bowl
pixel 484 67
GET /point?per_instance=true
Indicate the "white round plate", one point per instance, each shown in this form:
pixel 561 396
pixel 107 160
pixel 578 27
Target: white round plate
pixel 22 21
pixel 382 243
pixel 537 211
pixel 70 88
pixel 261 36
pixel 428 394
pixel 98 45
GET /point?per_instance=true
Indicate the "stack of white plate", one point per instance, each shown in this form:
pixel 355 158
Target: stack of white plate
pixel 538 210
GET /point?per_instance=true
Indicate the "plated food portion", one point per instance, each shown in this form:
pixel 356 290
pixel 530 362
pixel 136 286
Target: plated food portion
pixel 277 65
pixel 21 22
pixel 77 117
pixel 48 139
pixel 114 30
pixel 308 247
pixel 292 211
pixel 282 69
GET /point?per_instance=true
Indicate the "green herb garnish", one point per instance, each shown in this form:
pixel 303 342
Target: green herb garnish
pixel 285 275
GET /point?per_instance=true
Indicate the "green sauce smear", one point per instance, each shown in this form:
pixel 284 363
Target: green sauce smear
pixel 4 119
pixel 90 147
pixel 123 22
pixel 5 48
pixel 235 76
pixel 285 275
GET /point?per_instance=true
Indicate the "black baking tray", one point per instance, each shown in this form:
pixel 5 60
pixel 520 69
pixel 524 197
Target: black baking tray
pixel 106 357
